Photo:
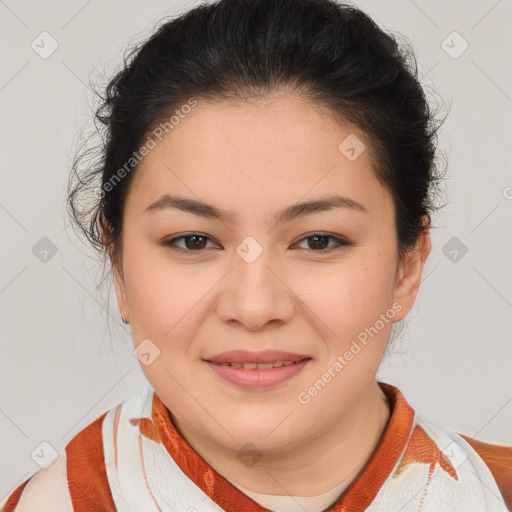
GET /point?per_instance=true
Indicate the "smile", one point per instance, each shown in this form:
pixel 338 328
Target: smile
pixel 259 366
pixel 258 375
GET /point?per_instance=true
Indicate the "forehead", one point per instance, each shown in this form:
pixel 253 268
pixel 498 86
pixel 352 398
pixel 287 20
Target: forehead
pixel 277 149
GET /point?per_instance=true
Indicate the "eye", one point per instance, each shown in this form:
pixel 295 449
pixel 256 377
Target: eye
pixel 320 242
pixel 194 242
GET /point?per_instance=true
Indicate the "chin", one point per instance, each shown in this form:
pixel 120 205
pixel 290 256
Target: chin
pixel 267 436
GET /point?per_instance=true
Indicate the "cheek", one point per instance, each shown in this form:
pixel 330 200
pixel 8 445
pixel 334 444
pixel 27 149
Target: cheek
pixel 167 307
pixel 351 296
pixel 162 297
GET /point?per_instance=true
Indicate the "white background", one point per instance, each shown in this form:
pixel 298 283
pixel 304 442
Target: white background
pixel 61 366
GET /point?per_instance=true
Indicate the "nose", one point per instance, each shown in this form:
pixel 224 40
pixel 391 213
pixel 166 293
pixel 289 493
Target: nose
pixel 255 293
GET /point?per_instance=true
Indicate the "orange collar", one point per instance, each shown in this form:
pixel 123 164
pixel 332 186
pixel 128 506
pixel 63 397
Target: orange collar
pixel 356 498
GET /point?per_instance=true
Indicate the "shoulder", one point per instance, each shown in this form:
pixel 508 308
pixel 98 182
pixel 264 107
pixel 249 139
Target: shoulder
pixel 45 490
pixel 492 460
pixel 498 459
pixel 75 480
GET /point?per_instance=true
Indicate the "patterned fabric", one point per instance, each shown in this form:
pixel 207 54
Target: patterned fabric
pixel 132 458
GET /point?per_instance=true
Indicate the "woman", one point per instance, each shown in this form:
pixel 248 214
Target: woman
pixel 265 201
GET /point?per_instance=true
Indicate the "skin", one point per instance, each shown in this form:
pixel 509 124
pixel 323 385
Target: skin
pixel 254 159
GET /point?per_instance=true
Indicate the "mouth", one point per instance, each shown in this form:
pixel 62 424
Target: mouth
pixel 275 357
pixel 251 370
pixel 260 366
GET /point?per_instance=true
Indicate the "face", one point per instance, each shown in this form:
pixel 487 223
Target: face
pixel 258 273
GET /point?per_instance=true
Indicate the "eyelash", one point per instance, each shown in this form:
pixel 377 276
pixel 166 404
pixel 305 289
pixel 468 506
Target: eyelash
pixel 339 241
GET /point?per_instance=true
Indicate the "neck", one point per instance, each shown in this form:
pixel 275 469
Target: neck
pixel 314 467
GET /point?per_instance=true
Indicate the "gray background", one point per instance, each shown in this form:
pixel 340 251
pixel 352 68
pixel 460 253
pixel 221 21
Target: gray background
pixel 61 365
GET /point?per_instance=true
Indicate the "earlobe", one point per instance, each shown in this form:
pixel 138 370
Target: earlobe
pixel 120 294
pixel 105 234
pixel 401 270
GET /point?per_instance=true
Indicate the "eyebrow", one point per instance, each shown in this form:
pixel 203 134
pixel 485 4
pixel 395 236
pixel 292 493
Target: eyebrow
pixel 287 214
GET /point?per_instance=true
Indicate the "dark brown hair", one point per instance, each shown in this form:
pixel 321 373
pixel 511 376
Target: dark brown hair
pixel 329 52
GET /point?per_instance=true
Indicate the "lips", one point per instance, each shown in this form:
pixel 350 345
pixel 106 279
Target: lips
pixel 258 376
pixel 247 359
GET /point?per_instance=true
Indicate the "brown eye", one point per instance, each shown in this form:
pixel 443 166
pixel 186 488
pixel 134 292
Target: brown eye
pixel 194 242
pixel 319 242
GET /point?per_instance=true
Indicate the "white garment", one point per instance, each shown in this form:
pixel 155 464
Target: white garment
pixel 166 488
pixel 146 478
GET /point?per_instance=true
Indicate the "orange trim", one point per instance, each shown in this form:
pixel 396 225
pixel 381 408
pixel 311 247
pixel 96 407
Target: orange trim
pixel 421 448
pixel 14 498
pixel 356 498
pixel 220 490
pixel 363 491
pixel 87 476
pixel 499 460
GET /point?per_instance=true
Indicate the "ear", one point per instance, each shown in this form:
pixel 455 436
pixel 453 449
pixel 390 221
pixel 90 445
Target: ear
pixel 117 273
pixel 410 271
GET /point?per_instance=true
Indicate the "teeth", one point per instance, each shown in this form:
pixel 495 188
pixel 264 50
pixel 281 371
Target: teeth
pixel 259 366
pixel 265 366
